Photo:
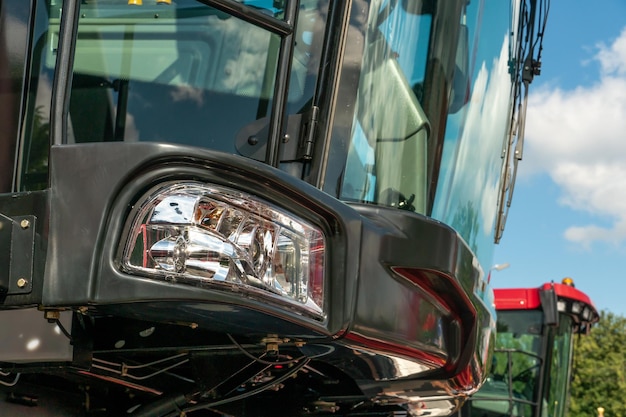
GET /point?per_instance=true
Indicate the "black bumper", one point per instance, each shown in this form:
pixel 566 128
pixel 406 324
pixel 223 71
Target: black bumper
pixel 401 290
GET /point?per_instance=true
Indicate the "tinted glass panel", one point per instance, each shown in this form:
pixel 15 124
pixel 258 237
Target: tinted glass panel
pixel 386 161
pixel 14 16
pixel 36 126
pixel 512 387
pixel 180 72
pixel 193 75
pixel 560 369
pixel 471 165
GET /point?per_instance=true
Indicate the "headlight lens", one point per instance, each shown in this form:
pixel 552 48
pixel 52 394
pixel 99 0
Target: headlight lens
pixel 208 235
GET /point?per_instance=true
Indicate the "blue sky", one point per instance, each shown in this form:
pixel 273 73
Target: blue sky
pixel 568 217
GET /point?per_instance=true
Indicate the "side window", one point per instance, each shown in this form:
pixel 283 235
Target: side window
pixel 560 368
pixel 194 75
pixel 14 15
pixel 35 134
pixel 181 72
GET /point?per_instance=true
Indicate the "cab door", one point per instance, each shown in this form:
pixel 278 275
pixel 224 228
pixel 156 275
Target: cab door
pixel 22 214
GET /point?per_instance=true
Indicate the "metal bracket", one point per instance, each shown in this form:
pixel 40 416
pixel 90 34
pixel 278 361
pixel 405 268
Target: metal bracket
pixel 17 252
pixel 297 143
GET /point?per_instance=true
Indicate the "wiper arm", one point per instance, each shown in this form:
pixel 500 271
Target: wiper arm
pixel 523 76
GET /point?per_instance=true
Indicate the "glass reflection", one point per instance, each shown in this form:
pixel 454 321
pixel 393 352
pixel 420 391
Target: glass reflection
pixel 512 387
pixel 469 182
pixel 386 162
pixel 183 73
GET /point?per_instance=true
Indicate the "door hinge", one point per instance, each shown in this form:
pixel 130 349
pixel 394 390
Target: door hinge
pixel 308 131
pixel 297 143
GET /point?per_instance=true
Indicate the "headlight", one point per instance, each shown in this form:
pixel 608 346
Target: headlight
pixel 213 236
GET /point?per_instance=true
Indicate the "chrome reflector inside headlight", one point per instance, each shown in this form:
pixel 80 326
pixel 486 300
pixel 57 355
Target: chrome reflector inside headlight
pixel 208 235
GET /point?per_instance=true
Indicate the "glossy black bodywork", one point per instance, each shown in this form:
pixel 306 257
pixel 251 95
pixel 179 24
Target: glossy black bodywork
pixel 93 187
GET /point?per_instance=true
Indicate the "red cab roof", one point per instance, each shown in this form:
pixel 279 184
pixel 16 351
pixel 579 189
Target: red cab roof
pixel 528 298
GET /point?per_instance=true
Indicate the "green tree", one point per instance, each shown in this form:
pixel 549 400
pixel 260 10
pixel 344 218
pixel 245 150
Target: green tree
pixel 599 369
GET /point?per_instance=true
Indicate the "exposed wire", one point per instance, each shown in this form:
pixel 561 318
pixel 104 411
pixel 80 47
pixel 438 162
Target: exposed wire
pixel 252 392
pixel 259 358
pixel 269 364
pixel 182 378
pixel 63 329
pixel 119 381
pixel 122 368
pixel 234 375
pixel 544 10
pixel 196 404
pixel 176 408
pixel 156 362
pixel 121 372
pixel 10 384
pixel 160 371
pixel 106 362
pixel 330 350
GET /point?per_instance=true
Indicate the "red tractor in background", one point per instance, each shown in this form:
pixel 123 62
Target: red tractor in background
pixel 532 362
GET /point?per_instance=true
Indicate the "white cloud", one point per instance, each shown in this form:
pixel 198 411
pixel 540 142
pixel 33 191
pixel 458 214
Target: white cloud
pixel 579 138
pixel 613 57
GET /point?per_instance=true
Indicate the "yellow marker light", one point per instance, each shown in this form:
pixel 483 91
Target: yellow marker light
pixel 135 2
pixel 568 281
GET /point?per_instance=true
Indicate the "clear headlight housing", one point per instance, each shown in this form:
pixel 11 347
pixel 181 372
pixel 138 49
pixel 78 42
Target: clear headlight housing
pixel 214 236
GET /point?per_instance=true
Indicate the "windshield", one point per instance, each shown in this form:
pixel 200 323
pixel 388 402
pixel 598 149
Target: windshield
pixel 433 110
pixel 512 387
pixel 179 72
pixel 387 157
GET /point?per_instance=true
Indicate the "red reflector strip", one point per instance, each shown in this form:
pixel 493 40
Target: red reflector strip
pixel 442 288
